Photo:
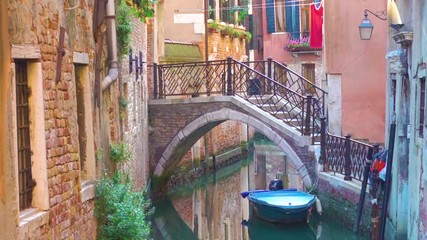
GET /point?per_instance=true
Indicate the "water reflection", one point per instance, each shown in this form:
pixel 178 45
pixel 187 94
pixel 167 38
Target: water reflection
pixel 212 208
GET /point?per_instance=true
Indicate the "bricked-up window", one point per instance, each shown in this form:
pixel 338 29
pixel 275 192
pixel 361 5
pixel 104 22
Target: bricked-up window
pixel 26 183
pixel 422 106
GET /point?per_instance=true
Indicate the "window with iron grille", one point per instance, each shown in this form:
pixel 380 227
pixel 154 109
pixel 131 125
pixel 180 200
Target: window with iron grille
pixel 26 183
pixel 422 106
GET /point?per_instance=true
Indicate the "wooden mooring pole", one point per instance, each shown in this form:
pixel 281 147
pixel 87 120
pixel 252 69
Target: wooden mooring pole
pixel 366 169
pixel 387 180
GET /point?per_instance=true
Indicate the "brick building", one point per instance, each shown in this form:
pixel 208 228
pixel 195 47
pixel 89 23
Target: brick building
pixel 61 81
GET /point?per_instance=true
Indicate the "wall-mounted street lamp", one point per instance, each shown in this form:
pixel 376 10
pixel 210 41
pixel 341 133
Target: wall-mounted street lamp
pixel 366 28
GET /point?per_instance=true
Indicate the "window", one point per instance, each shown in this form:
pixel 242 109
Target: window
pixel 422 106
pixel 279 10
pixel 28 137
pixel 308 72
pixel 282 16
pixel 226 11
pixel 289 16
pixel 211 9
pixel 25 179
pixel 84 118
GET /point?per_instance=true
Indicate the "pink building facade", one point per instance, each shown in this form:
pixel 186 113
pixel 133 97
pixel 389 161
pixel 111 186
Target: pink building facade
pixel 355 70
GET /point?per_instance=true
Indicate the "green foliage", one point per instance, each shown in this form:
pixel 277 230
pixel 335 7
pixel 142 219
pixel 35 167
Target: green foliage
pixel 144 9
pixel 227 30
pixel 123 26
pixel 121 212
pixel 123 103
pixel 235 33
pixel 120 152
pixel 99 155
pixel 248 36
pixel 213 25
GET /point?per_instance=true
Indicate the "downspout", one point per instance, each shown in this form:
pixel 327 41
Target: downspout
pixel 113 66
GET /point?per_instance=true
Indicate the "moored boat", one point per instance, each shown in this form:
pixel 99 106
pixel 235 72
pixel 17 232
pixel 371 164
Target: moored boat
pixel 283 206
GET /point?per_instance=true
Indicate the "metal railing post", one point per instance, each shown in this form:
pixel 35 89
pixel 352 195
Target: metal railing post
pixel 155 87
pixel 269 72
pixel 208 90
pixel 347 158
pixel 229 83
pixel 322 158
pixel 307 130
pixel 161 90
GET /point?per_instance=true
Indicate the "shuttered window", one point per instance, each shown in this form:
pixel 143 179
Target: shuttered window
pixel 283 16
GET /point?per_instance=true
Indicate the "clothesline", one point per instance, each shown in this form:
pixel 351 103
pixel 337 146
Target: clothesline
pixel 261 6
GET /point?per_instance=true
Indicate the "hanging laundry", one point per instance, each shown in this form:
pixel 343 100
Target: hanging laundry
pixel 316 26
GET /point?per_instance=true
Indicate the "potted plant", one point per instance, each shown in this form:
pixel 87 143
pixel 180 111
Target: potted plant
pixel 213 26
pixel 298 44
pixel 227 30
pixel 248 36
pixel 236 33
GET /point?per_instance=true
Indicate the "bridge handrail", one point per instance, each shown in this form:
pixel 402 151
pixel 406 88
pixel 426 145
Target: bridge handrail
pixel 344 155
pixel 210 78
pixel 299 83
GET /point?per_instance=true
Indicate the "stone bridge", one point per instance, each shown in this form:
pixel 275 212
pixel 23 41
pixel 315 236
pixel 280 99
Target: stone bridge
pixel 177 124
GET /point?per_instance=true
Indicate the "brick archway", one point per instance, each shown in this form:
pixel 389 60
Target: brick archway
pixel 195 128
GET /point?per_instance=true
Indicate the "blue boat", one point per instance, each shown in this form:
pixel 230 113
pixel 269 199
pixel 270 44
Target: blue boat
pixel 282 206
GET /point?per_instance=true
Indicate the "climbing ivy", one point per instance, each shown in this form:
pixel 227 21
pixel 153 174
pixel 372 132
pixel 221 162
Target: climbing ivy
pixel 144 9
pixel 141 9
pixel 123 26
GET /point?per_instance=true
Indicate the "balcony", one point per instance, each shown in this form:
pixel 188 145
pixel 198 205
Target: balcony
pixel 299 42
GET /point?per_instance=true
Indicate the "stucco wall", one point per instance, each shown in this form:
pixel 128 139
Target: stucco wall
pixel 361 65
pixel 184 20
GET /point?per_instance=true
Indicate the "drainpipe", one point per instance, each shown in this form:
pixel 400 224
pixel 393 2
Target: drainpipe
pixel 113 66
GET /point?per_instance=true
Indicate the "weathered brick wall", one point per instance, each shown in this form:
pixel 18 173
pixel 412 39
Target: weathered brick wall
pixel 133 119
pixel 37 24
pixel 220 47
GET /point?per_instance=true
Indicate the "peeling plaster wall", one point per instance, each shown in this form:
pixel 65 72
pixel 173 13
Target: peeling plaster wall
pixel 407 217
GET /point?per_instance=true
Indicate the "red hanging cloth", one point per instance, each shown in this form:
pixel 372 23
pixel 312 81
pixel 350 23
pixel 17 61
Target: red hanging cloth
pixel 316 26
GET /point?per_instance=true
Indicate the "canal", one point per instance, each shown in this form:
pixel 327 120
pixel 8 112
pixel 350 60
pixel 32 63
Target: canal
pixel 212 207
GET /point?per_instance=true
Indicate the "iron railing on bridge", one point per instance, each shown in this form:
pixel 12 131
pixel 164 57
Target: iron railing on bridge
pixel 292 80
pixel 344 155
pixel 293 105
pixel 274 88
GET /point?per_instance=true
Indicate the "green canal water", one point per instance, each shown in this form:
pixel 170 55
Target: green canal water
pixel 211 208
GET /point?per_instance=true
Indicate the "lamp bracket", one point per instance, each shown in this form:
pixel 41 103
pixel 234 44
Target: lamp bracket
pixel 382 14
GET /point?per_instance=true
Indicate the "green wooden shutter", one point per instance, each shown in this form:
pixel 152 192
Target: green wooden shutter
pixel 292 18
pixel 271 27
pixel 295 21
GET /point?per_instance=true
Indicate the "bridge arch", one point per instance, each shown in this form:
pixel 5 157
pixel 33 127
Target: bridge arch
pixel 187 137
